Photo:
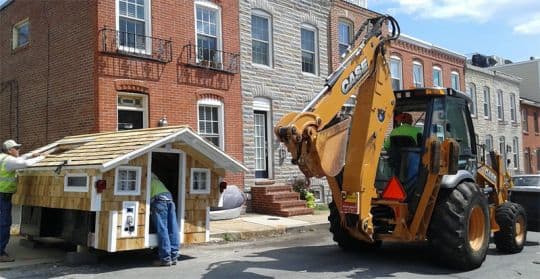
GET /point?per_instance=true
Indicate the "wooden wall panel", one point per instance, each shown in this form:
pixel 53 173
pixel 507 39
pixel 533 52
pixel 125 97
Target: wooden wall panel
pixel 108 194
pixel 103 240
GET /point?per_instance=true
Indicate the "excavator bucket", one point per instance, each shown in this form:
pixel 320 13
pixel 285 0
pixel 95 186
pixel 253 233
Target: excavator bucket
pixel 332 146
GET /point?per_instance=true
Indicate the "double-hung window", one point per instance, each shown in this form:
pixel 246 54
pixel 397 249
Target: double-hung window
pixel 515 151
pixel 418 74
pixel 208 26
pixel 308 38
pixel 396 72
pixel 437 76
pixel 524 120
pixel 471 91
pixel 513 107
pixel 500 109
pixel 487 103
pixel 132 111
pixel 535 119
pixel 261 38
pixel 21 34
pixel 211 121
pixel 454 78
pixel 134 25
pixel 344 36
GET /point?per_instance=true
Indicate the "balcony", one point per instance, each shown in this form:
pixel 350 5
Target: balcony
pixel 136 45
pixel 212 59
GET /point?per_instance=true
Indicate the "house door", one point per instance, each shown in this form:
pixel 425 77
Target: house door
pixel 261 144
pixel 168 165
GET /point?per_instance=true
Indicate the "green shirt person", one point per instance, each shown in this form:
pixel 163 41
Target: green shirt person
pixel 405 128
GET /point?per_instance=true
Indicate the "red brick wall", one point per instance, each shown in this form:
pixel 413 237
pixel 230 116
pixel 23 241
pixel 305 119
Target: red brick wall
pixel 531 139
pixel 428 57
pixel 46 87
pixel 347 12
pixel 174 88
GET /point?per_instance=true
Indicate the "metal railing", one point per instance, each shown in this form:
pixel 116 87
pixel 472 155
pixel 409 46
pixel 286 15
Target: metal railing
pixel 130 44
pixel 212 59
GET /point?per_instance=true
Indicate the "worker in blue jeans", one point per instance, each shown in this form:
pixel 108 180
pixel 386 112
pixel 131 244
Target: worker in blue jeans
pixel 164 215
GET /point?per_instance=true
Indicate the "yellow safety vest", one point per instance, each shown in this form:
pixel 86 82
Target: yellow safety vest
pixel 157 187
pixel 8 179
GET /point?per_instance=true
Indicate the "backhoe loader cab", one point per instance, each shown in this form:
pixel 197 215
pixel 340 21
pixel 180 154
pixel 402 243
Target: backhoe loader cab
pixel 424 181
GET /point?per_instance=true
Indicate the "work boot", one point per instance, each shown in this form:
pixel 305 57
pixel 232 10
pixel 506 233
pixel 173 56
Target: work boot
pixel 161 263
pixel 4 258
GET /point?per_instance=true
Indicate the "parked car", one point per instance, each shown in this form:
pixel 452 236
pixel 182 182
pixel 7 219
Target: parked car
pixel 526 191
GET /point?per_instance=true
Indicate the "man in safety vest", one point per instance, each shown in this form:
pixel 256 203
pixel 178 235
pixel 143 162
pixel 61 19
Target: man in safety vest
pixel 9 163
pixel 164 215
pixel 404 128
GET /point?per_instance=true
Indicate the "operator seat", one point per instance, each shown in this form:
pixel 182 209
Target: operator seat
pixel 405 158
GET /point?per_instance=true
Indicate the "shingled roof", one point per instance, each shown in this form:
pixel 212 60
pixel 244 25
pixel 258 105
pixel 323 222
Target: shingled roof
pixel 105 151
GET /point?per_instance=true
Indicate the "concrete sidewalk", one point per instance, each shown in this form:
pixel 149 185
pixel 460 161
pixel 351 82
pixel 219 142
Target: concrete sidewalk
pixel 256 225
pixel 247 226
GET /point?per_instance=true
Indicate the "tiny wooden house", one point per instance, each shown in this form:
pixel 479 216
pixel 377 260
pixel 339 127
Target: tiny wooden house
pixel 94 190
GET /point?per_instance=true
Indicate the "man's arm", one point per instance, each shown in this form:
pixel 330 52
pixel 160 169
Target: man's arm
pixel 21 162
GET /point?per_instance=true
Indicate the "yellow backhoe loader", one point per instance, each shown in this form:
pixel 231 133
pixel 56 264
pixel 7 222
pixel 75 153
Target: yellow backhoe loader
pixel 433 186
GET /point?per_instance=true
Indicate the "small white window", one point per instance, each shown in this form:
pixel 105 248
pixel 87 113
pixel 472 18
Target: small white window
pixel 471 91
pixel 211 121
pixel 21 34
pixel 308 43
pixel 76 183
pixel 396 73
pixel 200 181
pixel 127 181
pixel 418 74
pixel 261 38
pixel 454 78
pixel 487 103
pixel 513 115
pixel 132 111
pixel 437 76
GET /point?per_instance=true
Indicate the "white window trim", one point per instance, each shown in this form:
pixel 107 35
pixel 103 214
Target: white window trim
pixel 500 103
pixel 147 28
pixel 487 101
pixel 144 108
pixel 473 97
pixel 15 33
pixel 221 120
pixel 456 74
pixel 513 116
pixel 316 41
pixel 261 13
pixel 437 68
pixel 515 152
pixel 417 63
pixel 137 184
pixel 68 188
pixel 208 182
pixel 398 59
pixel 125 205
pixel 219 35
pixel 351 28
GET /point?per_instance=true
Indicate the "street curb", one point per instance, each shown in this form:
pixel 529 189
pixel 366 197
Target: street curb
pixel 236 236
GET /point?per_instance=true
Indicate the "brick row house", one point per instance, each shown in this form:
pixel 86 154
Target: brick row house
pixel 529 94
pixel 495 112
pixel 80 67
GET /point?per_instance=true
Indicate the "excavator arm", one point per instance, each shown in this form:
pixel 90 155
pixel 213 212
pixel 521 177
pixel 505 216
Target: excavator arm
pixel 323 142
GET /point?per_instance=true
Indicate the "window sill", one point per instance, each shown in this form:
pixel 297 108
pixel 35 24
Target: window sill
pixel 262 66
pixel 199 193
pixel 20 48
pixel 311 75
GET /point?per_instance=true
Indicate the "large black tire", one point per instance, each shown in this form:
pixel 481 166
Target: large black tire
pixel 459 229
pixel 512 221
pixel 342 236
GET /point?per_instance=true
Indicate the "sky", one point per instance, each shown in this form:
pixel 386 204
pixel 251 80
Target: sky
pixel 506 28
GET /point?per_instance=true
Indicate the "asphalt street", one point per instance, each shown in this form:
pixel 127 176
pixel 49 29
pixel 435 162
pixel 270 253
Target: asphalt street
pixel 309 254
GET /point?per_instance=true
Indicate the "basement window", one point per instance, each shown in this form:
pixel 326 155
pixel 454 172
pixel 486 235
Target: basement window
pixel 76 183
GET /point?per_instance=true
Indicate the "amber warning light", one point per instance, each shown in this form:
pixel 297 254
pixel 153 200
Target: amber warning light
pixel 394 190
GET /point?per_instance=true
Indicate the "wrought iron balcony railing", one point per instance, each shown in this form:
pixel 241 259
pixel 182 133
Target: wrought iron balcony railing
pixel 130 44
pixel 212 59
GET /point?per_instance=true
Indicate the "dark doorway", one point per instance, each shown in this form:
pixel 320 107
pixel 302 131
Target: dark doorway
pixel 167 167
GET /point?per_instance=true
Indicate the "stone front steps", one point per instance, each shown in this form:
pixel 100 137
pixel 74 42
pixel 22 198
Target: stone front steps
pixel 277 199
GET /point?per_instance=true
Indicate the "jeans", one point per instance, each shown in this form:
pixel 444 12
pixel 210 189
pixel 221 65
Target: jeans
pixel 5 223
pixel 164 216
